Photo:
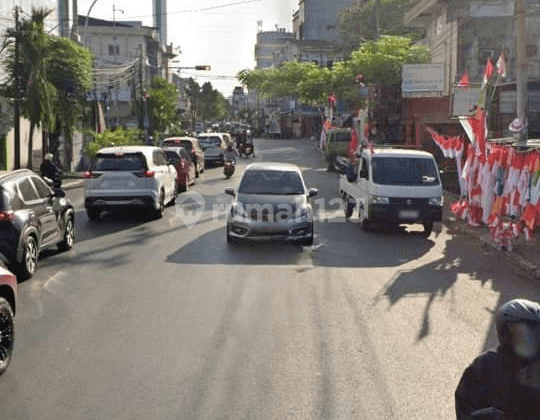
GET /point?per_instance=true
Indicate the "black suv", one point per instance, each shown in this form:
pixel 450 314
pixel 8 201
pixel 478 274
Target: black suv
pixel 32 217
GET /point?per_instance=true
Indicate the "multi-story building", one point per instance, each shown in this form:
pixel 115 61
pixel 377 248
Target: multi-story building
pixel 317 20
pixel 462 36
pixel 127 55
pixel 273 48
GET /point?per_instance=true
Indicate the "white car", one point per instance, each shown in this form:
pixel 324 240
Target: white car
pixel 139 176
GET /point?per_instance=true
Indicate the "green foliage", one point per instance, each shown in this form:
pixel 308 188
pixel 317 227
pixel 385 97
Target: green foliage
pixel 119 136
pixel 207 103
pixel 358 23
pixel 379 61
pixel 162 104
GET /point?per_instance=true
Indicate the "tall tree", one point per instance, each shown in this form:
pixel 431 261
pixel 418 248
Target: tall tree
pixel 162 104
pixel 70 71
pixel 37 92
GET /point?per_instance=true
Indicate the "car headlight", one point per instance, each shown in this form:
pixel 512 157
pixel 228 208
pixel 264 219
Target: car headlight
pixel 377 199
pixel 301 214
pixel 436 201
pixel 238 210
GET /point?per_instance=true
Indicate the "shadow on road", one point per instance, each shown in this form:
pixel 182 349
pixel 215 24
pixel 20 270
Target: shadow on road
pixel 370 250
pixel 461 256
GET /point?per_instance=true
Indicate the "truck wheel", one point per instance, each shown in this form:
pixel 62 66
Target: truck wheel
pixel 428 228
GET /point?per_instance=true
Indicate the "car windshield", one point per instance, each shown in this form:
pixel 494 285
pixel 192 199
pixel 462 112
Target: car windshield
pixel 342 137
pixel 173 156
pixel 175 142
pixel 404 171
pixel 210 141
pixel 119 162
pixel 271 182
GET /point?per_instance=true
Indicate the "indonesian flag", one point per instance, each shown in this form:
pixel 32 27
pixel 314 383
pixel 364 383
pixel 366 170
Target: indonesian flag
pixel 332 101
pixel 501 66
pixel 354 143
pixel 464 82
pixel 478 123
pixel 488 72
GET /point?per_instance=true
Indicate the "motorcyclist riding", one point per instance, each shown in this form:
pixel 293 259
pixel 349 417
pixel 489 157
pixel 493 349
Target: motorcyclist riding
pixel 508 377
pixel 49 170
pixel 230 154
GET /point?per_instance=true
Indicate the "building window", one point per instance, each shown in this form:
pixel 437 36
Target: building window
pixel 114 50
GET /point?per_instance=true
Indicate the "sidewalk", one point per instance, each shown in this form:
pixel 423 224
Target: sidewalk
pixel 525 254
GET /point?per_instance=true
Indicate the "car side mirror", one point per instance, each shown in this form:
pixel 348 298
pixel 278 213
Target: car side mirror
pixel 312 192
pixel 364 174
pixel 229 191
pixel 59 193
pixel 49 181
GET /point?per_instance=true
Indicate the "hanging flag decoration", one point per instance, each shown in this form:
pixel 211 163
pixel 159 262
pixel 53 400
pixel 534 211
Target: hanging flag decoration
pixel 501 66
pixel 354 144
pixel 488 72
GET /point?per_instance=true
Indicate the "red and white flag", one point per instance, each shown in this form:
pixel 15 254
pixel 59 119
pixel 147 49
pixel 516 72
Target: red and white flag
pixel 464 82
pixel 501 66
pixel 488 72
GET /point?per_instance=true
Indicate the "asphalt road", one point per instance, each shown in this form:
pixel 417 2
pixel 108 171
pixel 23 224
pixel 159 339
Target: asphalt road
pixel 151 319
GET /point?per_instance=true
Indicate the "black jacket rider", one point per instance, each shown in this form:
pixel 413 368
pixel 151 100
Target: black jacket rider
pixel 499 379
pixel 50 170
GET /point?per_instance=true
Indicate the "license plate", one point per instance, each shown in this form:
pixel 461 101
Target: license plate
pixel 408 214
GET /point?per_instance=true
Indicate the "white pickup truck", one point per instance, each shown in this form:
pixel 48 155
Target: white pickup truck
pixel 393 186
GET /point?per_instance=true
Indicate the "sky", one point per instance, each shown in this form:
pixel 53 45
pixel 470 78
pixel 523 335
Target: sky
pixel 219 33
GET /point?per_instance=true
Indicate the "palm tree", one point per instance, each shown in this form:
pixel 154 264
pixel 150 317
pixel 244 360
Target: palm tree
pixel 39 100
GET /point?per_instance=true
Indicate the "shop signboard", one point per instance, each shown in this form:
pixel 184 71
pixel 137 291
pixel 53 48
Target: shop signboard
pixel 422 78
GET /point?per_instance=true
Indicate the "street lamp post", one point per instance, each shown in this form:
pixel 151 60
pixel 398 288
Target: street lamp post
pixel 86 24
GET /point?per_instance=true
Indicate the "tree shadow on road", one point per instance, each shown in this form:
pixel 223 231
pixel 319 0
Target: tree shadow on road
pixel 462 255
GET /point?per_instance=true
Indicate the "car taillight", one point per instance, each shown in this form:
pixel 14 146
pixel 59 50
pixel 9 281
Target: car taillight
pixel 7 216
pixel 149 174
pixel 90 174
pixel 192 151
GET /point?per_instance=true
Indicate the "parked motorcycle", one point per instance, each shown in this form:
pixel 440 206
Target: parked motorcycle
pixel 228 168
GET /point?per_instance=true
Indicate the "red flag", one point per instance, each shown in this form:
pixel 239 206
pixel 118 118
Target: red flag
pixel 354 143
pixel 479 128
pixel 332 101
pixel 464 82
pixel 488 72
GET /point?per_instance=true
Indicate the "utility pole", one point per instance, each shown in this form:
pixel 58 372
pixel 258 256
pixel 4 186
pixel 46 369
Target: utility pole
pixel 17 93
pixel 377 18
pixel 522 62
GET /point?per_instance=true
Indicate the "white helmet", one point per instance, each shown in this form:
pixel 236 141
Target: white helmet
pixel 48 156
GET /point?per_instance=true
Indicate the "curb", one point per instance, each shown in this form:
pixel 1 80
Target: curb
pixel 516 259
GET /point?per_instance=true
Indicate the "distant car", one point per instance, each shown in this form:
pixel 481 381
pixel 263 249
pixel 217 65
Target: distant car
pixel 130 176
pixel 271 203
pixel 190 144
pixel 214 145
pixel 8 299
pixel 185 169
pixel 32 217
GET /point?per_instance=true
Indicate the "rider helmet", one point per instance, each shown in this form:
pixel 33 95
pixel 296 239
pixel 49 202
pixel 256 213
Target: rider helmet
pixel 48 156
pixel 518 323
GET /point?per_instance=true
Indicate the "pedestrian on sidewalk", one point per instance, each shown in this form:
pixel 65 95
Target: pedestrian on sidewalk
pixel 506 378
